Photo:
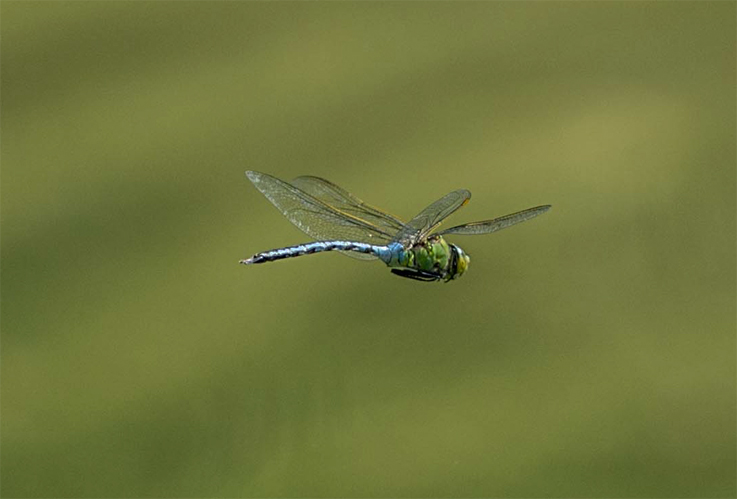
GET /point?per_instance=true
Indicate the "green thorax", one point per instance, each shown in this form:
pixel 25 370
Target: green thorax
pixel 434 256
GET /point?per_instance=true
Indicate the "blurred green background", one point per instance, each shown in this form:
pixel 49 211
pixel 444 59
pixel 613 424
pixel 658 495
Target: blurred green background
pixel 587 353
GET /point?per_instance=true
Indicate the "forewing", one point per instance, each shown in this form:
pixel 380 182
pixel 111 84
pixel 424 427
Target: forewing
pixel 430 217
pixel 315 217
pixel 489 226
pixel 339 198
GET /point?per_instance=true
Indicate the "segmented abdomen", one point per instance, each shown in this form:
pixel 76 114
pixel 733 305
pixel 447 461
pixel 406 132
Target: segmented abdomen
pixel 316 247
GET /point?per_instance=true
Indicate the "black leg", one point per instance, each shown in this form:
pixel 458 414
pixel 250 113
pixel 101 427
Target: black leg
pixel 417 275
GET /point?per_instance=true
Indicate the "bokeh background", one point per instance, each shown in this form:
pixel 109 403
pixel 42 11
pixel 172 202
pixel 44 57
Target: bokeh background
pixel 587 353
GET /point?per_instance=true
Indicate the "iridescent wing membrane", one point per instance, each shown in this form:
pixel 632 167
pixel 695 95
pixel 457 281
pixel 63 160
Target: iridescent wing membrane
pixel 489 226
pixel 325 212
pixel 429 218
pixel 346 202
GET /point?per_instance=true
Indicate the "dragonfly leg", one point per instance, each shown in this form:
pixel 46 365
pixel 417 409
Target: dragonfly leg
pixel 417 275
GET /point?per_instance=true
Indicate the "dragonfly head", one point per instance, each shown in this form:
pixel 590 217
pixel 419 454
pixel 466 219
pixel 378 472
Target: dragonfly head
pixel 458 263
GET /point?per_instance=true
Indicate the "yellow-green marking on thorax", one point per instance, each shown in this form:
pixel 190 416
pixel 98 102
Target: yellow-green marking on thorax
pixel 434 256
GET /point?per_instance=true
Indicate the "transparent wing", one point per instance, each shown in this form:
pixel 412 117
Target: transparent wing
pixel 489 226
pixel 430 217
pixel 346 202
pixel 315 217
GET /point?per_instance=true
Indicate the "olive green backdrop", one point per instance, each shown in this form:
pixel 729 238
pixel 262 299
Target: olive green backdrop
pixel 587 353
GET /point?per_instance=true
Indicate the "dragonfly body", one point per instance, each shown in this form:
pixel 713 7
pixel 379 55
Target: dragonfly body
pixel 430 260
pixel 342 222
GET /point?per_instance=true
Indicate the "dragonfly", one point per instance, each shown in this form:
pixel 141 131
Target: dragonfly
pixel 339 221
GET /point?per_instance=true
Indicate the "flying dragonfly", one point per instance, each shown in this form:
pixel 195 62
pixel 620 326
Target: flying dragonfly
pixel 339 221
